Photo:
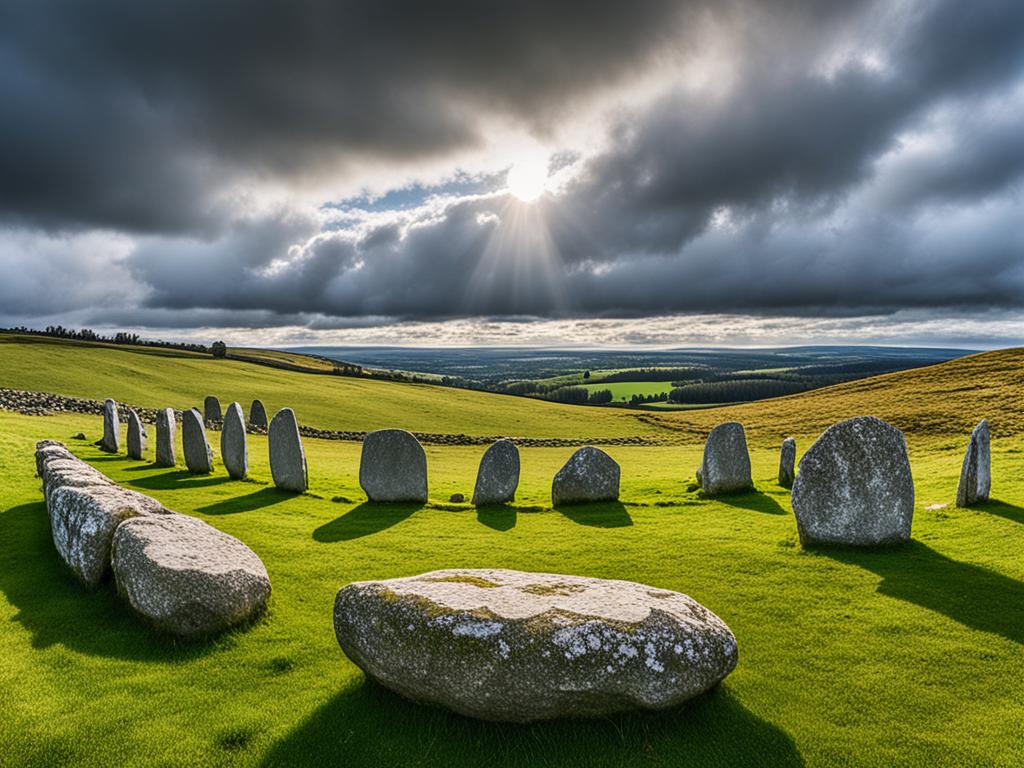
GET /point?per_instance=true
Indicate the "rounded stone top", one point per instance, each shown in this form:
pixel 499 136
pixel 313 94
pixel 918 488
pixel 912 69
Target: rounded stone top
pixel 179 542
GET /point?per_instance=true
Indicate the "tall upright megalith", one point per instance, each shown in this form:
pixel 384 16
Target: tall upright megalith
pixel 725 467
pixel 165 437
pixel 111 441
pixel 976 472
pixel 258 414
pixel 234 451
pixel 393 467
pixel 498 475
pixel 590 474
pixel 198 456
pixel 211 409
pixel 787 462
pixel 136 436
pixel 287 456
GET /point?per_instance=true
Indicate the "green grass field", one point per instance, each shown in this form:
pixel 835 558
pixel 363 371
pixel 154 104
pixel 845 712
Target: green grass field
pixel 623 390
pixel 910 656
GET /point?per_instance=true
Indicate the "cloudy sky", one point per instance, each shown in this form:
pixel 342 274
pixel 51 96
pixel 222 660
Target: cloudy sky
pixel 468 171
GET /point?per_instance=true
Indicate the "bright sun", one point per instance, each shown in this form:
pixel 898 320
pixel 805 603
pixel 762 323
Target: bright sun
pixel 527 179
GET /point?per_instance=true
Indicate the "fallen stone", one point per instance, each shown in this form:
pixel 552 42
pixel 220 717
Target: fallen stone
pixel 211 409
pixel 258 414
pixel 136 437
pixel 234 451
pixel 287 456
pixel 590 474
pixel 787 462
pixel 198 455
pixel 854 486
pixel 976 473
pixel 512 646
pixel 726 464
pixel 166 427
pixel 393 467
pixel 498 475
pixel 111 441
pixel 185 576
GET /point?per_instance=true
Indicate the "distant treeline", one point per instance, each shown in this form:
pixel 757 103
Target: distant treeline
pixel 87 334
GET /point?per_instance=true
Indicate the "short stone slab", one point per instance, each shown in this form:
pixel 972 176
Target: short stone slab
pixel 258 414
pixel 976 473
pixel 854 486
pixel 498 475
pixel 166 428
pixel 590 474
pixel 393 467
pixel 787 462
pixel 198 456
pixel 514 646
pixel 211 409
pixel 136 436
pixel 185 576
pixel 111 441
pixel 287 456
pixel 234 450
pixel 726 464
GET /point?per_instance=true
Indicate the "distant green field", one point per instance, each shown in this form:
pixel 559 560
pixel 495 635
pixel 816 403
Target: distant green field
pixel 623 390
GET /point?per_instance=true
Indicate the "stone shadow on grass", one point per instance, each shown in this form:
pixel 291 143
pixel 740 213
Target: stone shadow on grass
pixel 500 517
pixel 264 497
pixel 752 500
pixel 178 479
pixel 370 726
pixel 1002 509
pixel 600 514
pixel 58 610
pixel 364 520
pixel 969 594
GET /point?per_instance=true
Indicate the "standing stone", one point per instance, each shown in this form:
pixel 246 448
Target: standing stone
pixel 287 457
pixel 726 464
pixel 136 436
pixel 498 476
pixel 111 441
pixel 590 474
pixel 787 462
pixel 258 414
pixel 211 409
pixel 976 473
pixel 165 429
pixel 233 449
pixel 198 456
pixel 854 486
pixel 393 467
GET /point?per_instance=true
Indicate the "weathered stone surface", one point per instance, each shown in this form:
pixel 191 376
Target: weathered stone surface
pixel 111 441
pixel 498 475
pixel 393 467
pixel 590 474
pixel 58 472
pixel 854 486
pixel 258 414
pixel 187 577
pixel 136 437
pixel 211 409
pixel 234 450
pixel 287 456
pixel 166 427
pixel 513 646
pixel 50 448
pixel 787 462
pixel 726 464
pixel 976 472
pixel 198 456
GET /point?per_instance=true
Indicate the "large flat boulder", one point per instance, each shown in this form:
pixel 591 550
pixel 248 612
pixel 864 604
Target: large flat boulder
pixel 498 475
pixel 590 474
pixel 513 646
pixel 393 467
pixel 726 464
pixel 976 472
pixel 854 486
pixel 287 456
pixel 186 577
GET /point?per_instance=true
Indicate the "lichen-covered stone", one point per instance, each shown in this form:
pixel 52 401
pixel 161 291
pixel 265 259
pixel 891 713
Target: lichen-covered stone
pixel 198 455
pixel 498 475
pixel 111 441
pixel 726 464
pixel 185 576
pixel 287 456
pixel 136 436
pixel 787 462
pixel 513 646
pixel 50 449
pixel 211 409
pixel 590 474
pixel 234 450
pixel 393 467
pixel 854 486
pixel 258 414
pixel 166 427
pixel 976 473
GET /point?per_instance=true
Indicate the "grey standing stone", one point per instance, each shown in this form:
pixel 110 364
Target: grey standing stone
pixel 234 451
pixel 854 486
pixel 198 456
pixel 211 409
pixel 726 464
pixel 590 474
pixel 165 438
pixel 258 414
pixel 287 456
pixel 976 473
pixel 787 462
pixel 498 475
pixel 393 467
pixel 513 646
pixel 111 441
pixel 136 436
